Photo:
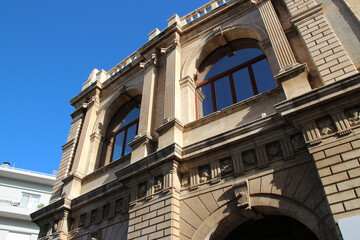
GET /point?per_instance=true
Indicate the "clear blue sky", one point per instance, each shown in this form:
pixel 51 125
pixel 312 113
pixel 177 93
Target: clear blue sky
pixel 47 51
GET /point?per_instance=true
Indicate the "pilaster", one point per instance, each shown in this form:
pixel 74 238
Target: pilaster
pixel 144 142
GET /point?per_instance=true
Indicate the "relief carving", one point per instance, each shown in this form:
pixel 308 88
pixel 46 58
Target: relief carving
pixel 297 142
pixel 226 166
pixel 204 173
pixel 106 211
pixel 93 216
pixel 326 126
pixel 82 220
pixel 249 157
pixel 142 190
pixel 158 183
pixel 274 151
pixel 354 116
pixel 185 179
pixel 119 205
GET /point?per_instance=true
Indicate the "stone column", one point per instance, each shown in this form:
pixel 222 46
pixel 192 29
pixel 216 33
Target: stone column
pixel 171 129
pixel 292 76
pixel 144 142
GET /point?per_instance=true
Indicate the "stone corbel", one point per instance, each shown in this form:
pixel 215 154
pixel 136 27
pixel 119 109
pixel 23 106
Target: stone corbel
pixel 215 172
pixel 238 164
pixel 194 178
pixel 241 190
pixel 311 133
pixel 341 122
pixel 174 44
pixel 262 157
pixel 153 60
pixel 288 151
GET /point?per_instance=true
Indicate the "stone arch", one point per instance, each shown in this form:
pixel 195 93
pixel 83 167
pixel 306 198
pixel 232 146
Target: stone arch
pixel 229 216
pixel 110 108
pixel 212 42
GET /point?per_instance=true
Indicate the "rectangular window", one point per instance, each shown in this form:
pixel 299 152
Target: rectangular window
pixel 30 201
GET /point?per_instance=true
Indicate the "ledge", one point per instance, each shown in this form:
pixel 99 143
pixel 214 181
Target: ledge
pixel 319 96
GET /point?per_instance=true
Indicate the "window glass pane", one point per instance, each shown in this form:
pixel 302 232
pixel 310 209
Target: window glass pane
pixel 132 115
pixel 204 101
pixel 243 87
pixel 263 76
pixel 130 135
pixel 24 200
pixel 34 202
pixel 118 146
pixel 223 93
pixel 238 58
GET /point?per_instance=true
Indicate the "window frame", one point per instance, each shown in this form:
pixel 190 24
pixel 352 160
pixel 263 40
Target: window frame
pixel 122 129
pixel 248 64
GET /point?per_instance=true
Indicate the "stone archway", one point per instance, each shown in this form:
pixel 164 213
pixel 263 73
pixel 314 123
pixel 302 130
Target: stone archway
pixel 272 227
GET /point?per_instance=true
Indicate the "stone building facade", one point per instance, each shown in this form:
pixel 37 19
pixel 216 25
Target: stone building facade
pixel 242 115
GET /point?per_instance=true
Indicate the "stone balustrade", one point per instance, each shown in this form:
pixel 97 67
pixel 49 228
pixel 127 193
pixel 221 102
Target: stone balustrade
pixel 203 10
pixel 123 64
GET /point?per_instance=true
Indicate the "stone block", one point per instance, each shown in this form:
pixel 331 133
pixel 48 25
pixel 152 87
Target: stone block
pixel 148 230
pixel 156 235
pixel 141 225
pixel 352 183
pixel 164 210
pixel 352 204
pixel 330 189
pixel 335 178
pixel 318 156
pixel 338 149
pixel 355 144
pixel 328 161
pixel 142 211
pixel 345 166
pixel 325 172
pixel 163 225
pixel 352 154
pixel 353 173
pixel 157 206
pixel 337 208
pixel 134 235
pixel 149 215
pixel 341 196
pixel 157 220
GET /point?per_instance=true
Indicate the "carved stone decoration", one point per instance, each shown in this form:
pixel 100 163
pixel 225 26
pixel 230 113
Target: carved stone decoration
pixel 249 157
pixel 82 220
pixel 354 116
pixel 119 205
pixel 106 211
pixel 297 142
pixel 185 179
pixel 326 126
pixel 93 216
pixel 274 151
pixel 142 189
pixel 241 191
pixel 158 184
pixel 204 173
pixel 55 226
pixel 226 166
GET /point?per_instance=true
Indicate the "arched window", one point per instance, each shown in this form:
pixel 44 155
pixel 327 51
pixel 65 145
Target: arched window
pixel 232 79
pixel 121 131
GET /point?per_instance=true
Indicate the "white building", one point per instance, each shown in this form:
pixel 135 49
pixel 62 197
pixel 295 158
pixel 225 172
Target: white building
pixel 21 193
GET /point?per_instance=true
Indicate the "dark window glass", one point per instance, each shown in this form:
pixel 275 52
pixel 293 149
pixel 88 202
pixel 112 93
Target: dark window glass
pixel 242 82
pixel 262 75
pixel 121 132
pixel 223 93
pixel 205 103
pixel 233 79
